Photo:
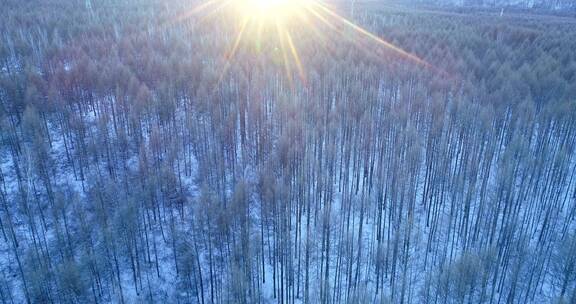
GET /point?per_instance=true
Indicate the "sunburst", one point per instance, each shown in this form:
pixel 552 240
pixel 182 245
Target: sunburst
pixel 282 16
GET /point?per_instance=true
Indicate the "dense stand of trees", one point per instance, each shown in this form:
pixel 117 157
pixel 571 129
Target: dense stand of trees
pixel 132 169
pixel 558 6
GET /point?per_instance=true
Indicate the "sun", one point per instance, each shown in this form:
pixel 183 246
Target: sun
pixel 271 10
pixel 267 5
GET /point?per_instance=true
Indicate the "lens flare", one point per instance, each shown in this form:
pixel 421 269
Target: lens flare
pixel 282 16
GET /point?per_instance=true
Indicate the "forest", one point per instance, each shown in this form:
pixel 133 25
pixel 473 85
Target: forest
pixel 156 151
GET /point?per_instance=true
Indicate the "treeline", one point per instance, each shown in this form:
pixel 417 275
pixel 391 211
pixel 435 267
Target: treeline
pixel 142 162
pixel 554 6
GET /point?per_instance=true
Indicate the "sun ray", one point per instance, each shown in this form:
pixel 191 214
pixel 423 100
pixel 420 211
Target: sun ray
pixel 203 6
pixel 194 10
pixel 259 29
pixel 220 7
pixel 375 38
pixel 210 7
pixel 284 55
pixel 296 56
pixel 321 18
pixel 230 55
pixel 331 26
